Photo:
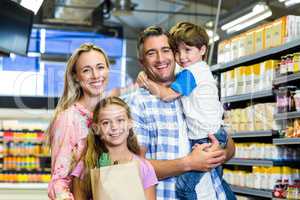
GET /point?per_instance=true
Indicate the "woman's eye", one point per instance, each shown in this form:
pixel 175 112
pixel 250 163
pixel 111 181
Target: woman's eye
pixel 85 70
pixel 121 120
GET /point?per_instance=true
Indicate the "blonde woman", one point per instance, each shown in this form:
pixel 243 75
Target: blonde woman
pixel 85 79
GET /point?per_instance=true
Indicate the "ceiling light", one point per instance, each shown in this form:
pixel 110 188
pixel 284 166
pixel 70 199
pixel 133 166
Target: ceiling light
pixel 33 5
pixel 122 7
pixel 259 12
pixel 289 3
pixel 210 35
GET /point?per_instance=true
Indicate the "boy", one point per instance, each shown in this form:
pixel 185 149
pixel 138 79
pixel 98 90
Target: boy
pixel 199 96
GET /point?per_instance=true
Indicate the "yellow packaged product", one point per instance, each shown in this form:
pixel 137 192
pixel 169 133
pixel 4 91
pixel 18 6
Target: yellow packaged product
pixel 296 62
pixel 221 52
pixel 223 84
pixel 279 31
pixel 235 47
pixel 249 45
pixel 248 79
pixel 259 38
pixel 268 35
pixel 242 45
pixel 256 77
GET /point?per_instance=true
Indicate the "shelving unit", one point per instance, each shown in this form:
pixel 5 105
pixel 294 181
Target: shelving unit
pixel 268 136
pixel 288 115
pixel 253 134
pixel 286 79
pixel 252 192
pixel 246 97
pixel 286 141
pixel 259 56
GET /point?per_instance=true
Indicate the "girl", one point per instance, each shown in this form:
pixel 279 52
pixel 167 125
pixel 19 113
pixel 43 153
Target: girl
pixel 112 133
pixel 85 79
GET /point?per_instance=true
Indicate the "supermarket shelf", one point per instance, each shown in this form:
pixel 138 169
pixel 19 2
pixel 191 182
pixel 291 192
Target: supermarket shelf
pixel 286 79
pixel 261 162
pixel 288 115
pixel 249 162
pixel 251 134
pixel 244 97
pixel 23 186
pixel 261 55
pixel 286 141
pixel 250 191
pixel 28 102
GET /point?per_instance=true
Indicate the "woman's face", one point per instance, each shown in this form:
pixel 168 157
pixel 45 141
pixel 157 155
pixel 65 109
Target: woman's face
pixel 92 73
pixel 114 125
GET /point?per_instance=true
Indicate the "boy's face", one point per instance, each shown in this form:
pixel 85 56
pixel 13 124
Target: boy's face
pixel 187 55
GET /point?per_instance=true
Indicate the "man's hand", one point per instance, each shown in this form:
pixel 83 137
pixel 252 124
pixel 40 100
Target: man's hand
pixel 204 157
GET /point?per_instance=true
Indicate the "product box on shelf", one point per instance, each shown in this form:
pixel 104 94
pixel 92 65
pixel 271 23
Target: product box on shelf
pixel 279 31
pixel 221 52
pixel 268 35
pixel 235 47
pixel 249 44
pixel 259 38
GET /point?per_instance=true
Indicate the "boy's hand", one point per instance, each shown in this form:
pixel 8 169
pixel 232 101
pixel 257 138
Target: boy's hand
pixel 215 145
pixel 142 79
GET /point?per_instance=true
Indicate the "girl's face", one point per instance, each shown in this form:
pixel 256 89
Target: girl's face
pixel 187 55
pixel 92 73
pixel 114 125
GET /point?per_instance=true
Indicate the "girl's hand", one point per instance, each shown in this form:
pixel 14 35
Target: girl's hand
pixel 142 79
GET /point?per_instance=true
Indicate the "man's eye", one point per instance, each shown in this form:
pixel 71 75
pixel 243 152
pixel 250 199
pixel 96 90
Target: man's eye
pixel 105 123
pixel 121 120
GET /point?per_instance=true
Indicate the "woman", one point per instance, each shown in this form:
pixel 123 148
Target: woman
pixel 85 79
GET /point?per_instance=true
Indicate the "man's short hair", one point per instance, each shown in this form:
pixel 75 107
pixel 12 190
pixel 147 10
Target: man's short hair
pixel 148 32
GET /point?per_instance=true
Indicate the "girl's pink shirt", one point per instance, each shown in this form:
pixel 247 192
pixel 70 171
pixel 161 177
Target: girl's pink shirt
pixel 68 138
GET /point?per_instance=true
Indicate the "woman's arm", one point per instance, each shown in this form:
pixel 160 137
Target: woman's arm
pixel 150 193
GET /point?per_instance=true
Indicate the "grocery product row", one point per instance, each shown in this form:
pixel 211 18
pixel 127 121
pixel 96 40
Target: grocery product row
pixel 272 34
pixel 23 149
pixel 248 79
pixel 288 99
pixel 251 118
pixel 24 178
pixel 266 151
pixel 267 178
pixel 23 136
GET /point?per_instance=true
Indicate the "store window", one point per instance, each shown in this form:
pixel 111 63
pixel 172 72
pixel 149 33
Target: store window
pixel 41 73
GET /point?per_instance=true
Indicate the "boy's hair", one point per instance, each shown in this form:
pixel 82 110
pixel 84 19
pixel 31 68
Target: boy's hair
pixel 149 32
pixel 191 34
pixel 96 146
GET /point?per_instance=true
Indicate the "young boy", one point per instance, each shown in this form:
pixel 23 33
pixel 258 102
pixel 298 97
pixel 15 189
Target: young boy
pixel 203 111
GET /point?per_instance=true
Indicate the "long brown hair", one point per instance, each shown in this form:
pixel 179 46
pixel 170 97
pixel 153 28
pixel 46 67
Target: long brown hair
pixel 96 146
pixel 72 90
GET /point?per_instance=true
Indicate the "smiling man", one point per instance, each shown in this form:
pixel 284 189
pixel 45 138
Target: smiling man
pixel 160 126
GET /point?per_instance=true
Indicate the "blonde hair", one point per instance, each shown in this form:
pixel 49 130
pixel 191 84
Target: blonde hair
pixel 72 90
pixel 96 146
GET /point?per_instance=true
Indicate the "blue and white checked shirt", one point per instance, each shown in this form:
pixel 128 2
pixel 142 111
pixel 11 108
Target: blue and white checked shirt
pixel 160 127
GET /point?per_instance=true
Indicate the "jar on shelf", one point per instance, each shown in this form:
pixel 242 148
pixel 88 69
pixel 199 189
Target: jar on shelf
pixel 297 100
pixel 282 100
pixel 289 63
pixel 283 67
pixel 296 62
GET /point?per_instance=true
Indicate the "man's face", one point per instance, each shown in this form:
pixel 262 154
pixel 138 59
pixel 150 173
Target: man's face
pixel 158 59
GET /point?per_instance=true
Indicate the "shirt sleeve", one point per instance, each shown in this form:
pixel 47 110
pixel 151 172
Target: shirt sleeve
pixel 63 159
pixel 184 83
pixel 148 174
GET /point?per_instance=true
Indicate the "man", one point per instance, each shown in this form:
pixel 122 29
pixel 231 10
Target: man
pixel 160 125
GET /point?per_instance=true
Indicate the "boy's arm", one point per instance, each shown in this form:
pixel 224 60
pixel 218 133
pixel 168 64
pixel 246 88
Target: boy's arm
pixel 163 92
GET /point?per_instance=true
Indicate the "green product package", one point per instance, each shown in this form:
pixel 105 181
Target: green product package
pixel 104 160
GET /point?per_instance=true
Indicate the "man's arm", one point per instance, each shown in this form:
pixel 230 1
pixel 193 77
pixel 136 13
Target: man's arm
pixel 198 159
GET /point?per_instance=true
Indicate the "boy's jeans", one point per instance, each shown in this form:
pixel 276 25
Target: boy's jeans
pixel 186 183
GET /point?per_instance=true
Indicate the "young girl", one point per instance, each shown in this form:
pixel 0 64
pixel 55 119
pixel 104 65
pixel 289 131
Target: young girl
pixel 112 133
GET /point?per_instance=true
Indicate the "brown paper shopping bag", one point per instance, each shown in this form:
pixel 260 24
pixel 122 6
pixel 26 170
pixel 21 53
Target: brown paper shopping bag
pixel 117 182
